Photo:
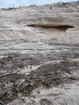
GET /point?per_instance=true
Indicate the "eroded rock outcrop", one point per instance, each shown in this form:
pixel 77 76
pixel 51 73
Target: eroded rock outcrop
pixel 39 55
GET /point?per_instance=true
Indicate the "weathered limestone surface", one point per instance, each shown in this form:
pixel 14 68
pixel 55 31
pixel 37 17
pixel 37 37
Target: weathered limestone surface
pixel 39 55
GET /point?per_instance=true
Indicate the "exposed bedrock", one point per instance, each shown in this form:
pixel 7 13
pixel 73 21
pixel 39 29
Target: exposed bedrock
pixel 39 55
pixel 50 75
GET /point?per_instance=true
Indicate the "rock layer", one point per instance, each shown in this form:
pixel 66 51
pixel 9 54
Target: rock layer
pixel 39 55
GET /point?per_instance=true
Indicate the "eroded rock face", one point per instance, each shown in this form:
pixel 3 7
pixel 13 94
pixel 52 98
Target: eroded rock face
pixel 39 55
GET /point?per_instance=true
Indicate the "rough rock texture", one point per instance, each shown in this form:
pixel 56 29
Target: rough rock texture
pixel 39 55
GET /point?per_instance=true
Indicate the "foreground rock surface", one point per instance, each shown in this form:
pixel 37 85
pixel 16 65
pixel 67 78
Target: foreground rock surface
pixel 39 55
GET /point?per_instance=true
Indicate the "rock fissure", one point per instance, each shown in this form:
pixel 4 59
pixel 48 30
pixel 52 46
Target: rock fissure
pixel 61 27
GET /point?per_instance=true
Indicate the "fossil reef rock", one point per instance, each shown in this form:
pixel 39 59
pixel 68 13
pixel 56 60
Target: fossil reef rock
pixel 39 55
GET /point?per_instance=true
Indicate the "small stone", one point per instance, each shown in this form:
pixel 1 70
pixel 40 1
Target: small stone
pixel 45 102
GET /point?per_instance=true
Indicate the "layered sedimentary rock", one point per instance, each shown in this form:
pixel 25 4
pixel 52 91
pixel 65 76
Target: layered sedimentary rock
pixel 39 55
